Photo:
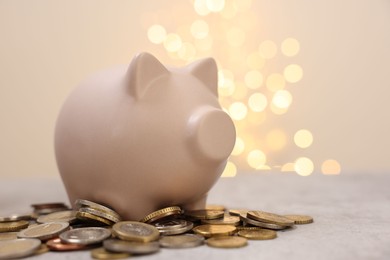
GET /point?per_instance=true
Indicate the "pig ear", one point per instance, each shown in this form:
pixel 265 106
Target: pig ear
pixel 143 70
pixel 206 71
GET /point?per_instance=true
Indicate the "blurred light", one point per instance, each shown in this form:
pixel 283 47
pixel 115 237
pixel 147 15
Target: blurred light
pixel 277 110
pixel 172 42
pixel 288 167
pixel 204 44
pixel 293 73
pixel 240 90
pixel 235 36
pixel 275 81
pixel 187 51
pixel 238 110
pixel 229 11
pixel 253 79
pixel 199 29
pixel 282 99
pixel 239 147
pixel 290 47
pixel 304 166
pixel 268 49
pixel 200 7
pixel 303 138
pixel 331 167
pixel 256 159
pixel 230 170
pixel 255 61
pixel 215 5
pixel 276 139
pixel 226 88
pixel 257 102
pixel 243 5
pixel 156 34
pixel 257 118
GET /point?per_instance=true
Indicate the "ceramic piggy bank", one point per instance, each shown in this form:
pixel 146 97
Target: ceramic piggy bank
pixel 143 137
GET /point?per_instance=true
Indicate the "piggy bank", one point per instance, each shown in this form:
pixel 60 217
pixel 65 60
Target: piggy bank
pixel 142 137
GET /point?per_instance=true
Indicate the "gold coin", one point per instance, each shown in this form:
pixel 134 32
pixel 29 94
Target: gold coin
pixel 8 236
pixel 102 253
pixel 59 216
pixel 269 218
pixel 204 214
pixel 215 207
pixel 135 231
pixel 99 213
pixel 261 224
pixel 262 234
pixel 79 203
pixel 239 228
pixel 42 249
pixel 13 226
pixel 214 230
pixel 238 212
pixel 227 242
pixel 15 217
pixel 44 231
pixel 89 217
pixel 226 220
pixel 161 213
pixel 300 219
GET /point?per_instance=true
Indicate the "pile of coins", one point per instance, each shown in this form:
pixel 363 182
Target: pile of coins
pixel 95 227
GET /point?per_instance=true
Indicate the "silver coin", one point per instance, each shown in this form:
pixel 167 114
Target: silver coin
pixel 17 248
pixel 122 246
pixel 59 216
pixel 44 231
pixel 80 203
pixel 181 241
pixel 170 224
pixel 99 213
pixel 85 236
pixel 226 220
pixel 188 225
pixel 15 217
pixel 261 224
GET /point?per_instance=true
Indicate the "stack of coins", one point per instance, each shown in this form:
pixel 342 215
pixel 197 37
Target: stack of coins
pixel 96 227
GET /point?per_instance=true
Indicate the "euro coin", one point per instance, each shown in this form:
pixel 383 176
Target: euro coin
pixel 204 214
pixel 139 248
pixel 8 235
pixel 300 219
pixel 227 242
pixel 59 216
pixel 263 234
pixel 181 241
pixel 44 231
pixel 262 224
pixel 162 213
pixel 42 249
pixel 102 253
pixel 174 227
pixel 13 226
pixel 56 244
pixel 135 231
pixel 80 203
pixel 269 218
pixel 101 214
pixel 18 248
pixel 85 236
pixel 85 216
pixel 15 217
pixel 238 212
pixel 226 220
pixel 214 230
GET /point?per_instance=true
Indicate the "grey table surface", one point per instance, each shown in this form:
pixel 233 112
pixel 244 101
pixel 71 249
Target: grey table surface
pixel 351 213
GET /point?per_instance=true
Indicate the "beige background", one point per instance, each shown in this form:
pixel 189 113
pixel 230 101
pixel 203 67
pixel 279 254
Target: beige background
pixel 48 46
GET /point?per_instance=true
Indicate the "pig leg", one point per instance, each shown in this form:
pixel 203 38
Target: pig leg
pixel 199 203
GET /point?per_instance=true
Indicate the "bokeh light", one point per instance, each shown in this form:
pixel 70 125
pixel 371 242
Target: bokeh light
pixel 199 29
pixel 303 138
pixel 255 61
pixel 172 42
pixel 239 147
pixel 253 79
pixel 268 49
pixel 293 73
pixel 282 99
pixel 304 166
pixel 331 167
pixel 276 139
pixel 215 5
pixel 257 102
pixel 238 110
pixel 256 159
pixel 187 51
pixel 275 81
pixel 230 170
pixel 290 47
pixel 235 36
pixel 200 7
pixel 157 34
